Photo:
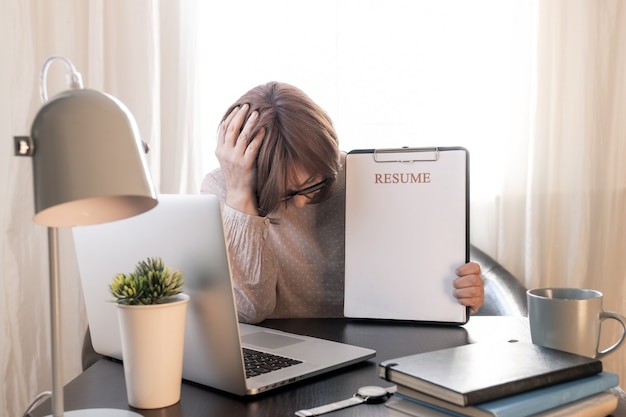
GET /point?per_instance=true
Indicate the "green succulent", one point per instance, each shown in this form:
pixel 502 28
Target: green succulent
pixel 150 283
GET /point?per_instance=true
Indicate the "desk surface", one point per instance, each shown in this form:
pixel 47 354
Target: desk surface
pixel 102 385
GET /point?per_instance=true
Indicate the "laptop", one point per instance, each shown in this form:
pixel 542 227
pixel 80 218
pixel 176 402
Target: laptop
pixel 186 231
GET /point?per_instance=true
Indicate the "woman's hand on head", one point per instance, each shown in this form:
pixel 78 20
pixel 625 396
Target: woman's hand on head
pixel 237 153
pixel 469 287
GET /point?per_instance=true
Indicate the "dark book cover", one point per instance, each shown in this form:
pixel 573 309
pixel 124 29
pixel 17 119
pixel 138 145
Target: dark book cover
pixel 479 372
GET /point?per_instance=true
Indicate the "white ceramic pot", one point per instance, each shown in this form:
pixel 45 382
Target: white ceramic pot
pixel 153 338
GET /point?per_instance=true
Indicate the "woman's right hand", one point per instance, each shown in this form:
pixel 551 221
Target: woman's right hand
pixel 237 155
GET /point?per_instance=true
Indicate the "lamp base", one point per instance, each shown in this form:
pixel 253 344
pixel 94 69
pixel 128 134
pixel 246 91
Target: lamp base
pixel 100 412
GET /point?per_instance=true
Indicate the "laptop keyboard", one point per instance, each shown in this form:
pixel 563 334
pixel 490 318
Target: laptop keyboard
pixel 258 363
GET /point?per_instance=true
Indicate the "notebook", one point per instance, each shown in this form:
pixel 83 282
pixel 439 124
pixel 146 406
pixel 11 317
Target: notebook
pixel 407 230
pixel 186 231
pixel 480 372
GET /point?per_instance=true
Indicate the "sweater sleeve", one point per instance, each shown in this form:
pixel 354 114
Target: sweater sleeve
pixel 253 267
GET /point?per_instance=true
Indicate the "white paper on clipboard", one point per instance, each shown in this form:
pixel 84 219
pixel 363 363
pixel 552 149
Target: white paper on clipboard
pixel 407 230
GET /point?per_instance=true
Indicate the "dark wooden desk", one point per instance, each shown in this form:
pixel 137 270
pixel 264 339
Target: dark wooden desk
pixel 102 385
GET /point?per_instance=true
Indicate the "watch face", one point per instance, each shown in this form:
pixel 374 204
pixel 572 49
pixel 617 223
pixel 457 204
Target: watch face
pixel 372 393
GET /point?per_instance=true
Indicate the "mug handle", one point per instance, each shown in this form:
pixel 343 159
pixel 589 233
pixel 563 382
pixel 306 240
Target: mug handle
pixel 622 320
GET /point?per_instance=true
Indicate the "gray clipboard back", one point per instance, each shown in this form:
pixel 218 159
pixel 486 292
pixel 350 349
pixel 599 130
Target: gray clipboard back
pixel 407 230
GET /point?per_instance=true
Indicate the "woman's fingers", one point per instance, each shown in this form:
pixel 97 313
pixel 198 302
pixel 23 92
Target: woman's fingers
pixel 231 126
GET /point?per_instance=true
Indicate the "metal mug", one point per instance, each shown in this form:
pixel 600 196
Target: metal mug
pixel 570 319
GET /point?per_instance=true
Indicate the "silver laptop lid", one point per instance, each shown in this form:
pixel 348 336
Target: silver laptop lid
pixel 187 232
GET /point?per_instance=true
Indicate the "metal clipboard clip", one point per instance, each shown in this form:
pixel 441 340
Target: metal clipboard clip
pixel 406 154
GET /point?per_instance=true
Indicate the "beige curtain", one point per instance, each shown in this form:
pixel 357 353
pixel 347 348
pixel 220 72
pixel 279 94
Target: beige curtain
pixel 562 218
pixel 135 50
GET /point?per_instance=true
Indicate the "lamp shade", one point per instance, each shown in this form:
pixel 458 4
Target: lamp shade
pixel 89 163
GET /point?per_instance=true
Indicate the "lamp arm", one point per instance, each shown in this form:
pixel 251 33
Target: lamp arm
pixel 75 80
pixel 55 322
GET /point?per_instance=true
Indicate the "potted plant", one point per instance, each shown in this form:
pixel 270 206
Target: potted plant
pixel 152 312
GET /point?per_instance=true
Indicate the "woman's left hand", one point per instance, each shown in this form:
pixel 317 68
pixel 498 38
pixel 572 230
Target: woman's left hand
pixel 469 287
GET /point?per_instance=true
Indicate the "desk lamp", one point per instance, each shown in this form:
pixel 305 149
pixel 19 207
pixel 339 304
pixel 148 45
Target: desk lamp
pixel 89 167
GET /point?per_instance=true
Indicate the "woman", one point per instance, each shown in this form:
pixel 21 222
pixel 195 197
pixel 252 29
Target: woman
pixel 283 188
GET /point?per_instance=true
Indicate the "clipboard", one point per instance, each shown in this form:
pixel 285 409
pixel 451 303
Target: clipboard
pixel 407 230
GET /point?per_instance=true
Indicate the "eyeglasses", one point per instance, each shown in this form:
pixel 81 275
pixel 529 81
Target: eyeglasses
pixel 306 191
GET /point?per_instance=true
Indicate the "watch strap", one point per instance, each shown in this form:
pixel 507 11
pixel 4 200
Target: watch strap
pixel 323 409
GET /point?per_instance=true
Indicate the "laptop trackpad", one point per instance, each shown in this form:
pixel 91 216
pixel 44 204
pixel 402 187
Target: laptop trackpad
pixel 269 340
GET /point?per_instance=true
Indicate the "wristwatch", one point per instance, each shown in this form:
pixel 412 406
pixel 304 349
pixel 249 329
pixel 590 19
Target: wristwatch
pixel 367 395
